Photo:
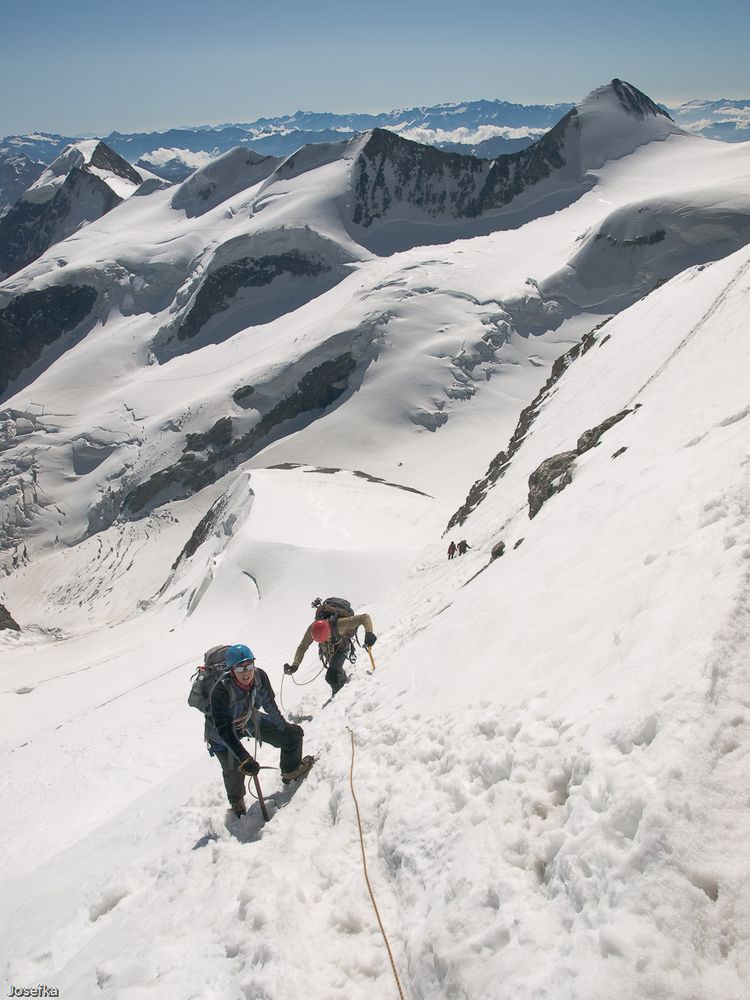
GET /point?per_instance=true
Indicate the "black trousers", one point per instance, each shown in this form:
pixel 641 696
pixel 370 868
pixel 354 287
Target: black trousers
pixel 335 674
pixel 289 741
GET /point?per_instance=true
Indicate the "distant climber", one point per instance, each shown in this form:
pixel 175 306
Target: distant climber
pixel 451 550
pixel 463 545
pixel 334 628
pixel 233 713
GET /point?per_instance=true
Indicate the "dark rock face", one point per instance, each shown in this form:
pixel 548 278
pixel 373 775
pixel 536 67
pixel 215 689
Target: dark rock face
pixel 556 472
pixel 316 389
pixel 29 228
pixel 34 319
pixel 635 102
pixel 497 550
pixel 551 477
pixel 648 239
pixel 392 170
pixel 202 530
pixel 500 462
pixel 217 291
pixel 591 438
pixel 7 621
pixel 218 437
pixel 105 158
pixel 241 395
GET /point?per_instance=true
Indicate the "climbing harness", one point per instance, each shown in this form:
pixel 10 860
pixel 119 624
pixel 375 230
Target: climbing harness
pixel 367 877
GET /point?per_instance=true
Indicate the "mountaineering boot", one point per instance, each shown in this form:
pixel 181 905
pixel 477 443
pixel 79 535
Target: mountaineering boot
pixel 239 807
pixel 299 772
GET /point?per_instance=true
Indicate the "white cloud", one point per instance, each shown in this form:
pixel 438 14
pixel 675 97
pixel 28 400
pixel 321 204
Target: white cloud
pixel 467 135
pixel 163 155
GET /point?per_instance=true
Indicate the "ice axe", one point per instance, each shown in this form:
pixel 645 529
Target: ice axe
pixel 368 650
pixel 261 800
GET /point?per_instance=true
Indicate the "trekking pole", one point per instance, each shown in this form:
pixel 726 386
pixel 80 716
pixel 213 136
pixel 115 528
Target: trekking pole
pixel 262 801
pixel 369 653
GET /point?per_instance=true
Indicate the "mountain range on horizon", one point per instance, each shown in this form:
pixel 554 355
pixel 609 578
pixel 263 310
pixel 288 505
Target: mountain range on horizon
pixel 302 373
pixel 485 128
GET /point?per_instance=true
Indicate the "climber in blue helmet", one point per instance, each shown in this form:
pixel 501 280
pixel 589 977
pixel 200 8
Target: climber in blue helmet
pixel 235 705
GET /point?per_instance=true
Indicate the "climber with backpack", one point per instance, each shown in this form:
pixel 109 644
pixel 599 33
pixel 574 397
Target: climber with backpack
pixel 229 689
pixel 334 629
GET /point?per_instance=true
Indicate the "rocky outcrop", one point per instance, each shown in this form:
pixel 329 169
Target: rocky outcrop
pixel 635 102
pixel 242 395
pixel 7 621
pixel 501 461
pixel 33 320
pixel 220 287
pixel 29 228
pixel 556 472
pixel 208 456
pixel 391 170
pixel 202 530
pixel 104 158
pixel 644 240
pixel 497 550
pixel 72 192
pixel 591 438
pixel 552 476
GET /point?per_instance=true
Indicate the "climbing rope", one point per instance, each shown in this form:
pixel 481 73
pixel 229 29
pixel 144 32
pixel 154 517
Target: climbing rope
pixel 367 877
pixel 298 683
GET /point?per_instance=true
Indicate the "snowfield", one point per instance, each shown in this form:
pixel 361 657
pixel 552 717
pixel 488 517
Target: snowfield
pixel 551 754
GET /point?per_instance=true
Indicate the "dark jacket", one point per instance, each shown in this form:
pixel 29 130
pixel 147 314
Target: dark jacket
pixel 231 712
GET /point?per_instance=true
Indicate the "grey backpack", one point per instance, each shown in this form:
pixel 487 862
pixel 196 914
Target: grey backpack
pixel 205 678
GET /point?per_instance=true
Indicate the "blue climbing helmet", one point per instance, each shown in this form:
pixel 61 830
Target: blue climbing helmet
pixel 237 654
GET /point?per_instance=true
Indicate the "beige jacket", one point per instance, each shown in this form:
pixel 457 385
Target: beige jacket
pixel 344 627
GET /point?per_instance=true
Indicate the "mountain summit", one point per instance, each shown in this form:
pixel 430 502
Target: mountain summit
pixel 82 184
pixel 393 178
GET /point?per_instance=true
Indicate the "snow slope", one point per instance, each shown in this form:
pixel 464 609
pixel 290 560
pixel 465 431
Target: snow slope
pixel 550 754
pixel 577 749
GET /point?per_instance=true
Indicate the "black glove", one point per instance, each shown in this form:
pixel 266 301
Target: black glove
pixel 291 668
pixel 294 728
pixel 250 766
pixel 370 639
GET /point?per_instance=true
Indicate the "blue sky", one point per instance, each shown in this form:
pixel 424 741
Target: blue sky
pixel 76 67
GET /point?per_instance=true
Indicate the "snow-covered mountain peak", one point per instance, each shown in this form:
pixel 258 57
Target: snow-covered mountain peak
pixel 95 157
pixel 221 179
pixel 611 122
pixel 623 95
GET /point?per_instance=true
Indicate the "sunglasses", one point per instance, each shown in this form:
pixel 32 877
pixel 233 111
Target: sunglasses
pixel 245 667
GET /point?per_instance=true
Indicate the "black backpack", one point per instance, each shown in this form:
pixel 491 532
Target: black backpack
pixel 333 607
pixel 206 677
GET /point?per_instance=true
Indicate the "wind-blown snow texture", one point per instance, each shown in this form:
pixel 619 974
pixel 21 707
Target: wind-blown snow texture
pixel 551 754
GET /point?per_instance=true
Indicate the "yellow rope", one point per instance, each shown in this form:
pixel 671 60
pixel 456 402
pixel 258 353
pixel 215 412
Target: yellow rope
pixel 367 877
